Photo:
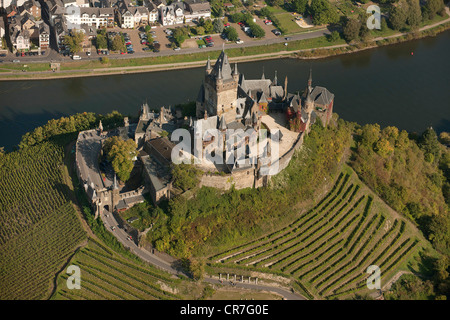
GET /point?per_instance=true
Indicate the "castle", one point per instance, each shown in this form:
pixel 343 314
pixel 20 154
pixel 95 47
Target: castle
pixel 226 100
pixel 239 103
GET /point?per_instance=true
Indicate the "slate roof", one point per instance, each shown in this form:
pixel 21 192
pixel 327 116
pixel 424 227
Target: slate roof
pixel 322 96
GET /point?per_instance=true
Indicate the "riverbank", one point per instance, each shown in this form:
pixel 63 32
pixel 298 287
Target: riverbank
pixel 312 48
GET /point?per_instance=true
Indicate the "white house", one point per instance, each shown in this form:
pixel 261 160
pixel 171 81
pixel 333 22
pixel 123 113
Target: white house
pixel 172 14
pixel 98 17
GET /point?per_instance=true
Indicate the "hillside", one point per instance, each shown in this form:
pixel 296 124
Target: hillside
pixel 327 249
pixel 108 276
pixel 39 226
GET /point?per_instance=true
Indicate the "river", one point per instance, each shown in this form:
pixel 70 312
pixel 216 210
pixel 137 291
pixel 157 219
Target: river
pixel 405 85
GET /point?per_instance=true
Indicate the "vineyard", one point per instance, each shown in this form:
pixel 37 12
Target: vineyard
pixel 327 250
pixel 106 275
pixel 36 219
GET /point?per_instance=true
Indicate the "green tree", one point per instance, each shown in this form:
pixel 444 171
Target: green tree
pixel 218 26
pixel 197 268
pixel 433 6
pixel 300 6
pixel 430 145
pixel 322 12
pixel 121 154
pixel 208 25
pixel 256 30
pixel 414 15
pixel 231 34
pixel 351 29
pixel 334 36
pixel 398 16
pixel 74 41
pixel 118 44
pixel 101 41
pixel 237 17
pixel 185 176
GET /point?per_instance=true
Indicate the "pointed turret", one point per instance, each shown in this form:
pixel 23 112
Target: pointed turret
pixel 235 71
pixel 263 77
pixel 115 186
pixel 222 123
pixel 275 79
pixel 310 80
pixel 205 116
pixel 100 126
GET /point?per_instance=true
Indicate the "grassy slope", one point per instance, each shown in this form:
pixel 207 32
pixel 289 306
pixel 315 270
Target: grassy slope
pixel 315 274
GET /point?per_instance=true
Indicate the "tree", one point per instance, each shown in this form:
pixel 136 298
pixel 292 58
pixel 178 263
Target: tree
pixel 322 12
pixel 334 36
pixel 430 145
pixel 121 154
pixel 218 26
pixel 179 35
pixel 237 17
pixel 101 41
pixel 445 137
pixel 208 25
pixel 231 34
pixel 74 40
pixel 300 6
pixel 414 14
pixel 197 268
pixel 200 30
pixel 433 7
pixel 118 44
pixel 147 28
pixel 256 30
pixel 351 29
pixel 398 16
pixel 185 176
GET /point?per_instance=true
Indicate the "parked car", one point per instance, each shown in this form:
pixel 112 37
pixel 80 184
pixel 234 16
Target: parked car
pixel 3 55
pixel 239 41
pixel 226 25
pixel 76 57
pixel 177 48
pixel 276 32
pixel 15 60
pixel 146 49
pixel 287 38
pixel 267 22
pixel 88 53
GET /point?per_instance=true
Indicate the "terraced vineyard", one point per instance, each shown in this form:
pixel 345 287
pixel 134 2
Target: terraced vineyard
pixel 39 228
pixel 106 275
pixel 327 250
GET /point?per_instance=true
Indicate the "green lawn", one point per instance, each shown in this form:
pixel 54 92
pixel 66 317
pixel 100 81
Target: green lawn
pixel 288 23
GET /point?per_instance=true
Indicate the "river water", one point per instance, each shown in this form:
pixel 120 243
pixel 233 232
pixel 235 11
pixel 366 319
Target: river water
pixel 406 85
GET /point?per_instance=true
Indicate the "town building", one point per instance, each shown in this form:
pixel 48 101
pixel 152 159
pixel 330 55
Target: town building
pixel 92 17
pixel 130 17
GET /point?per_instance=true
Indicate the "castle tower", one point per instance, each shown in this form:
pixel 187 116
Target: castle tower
pixel 219 91
pixel 114 194
pixel 310 80
pixel 100 127
pixel 208 66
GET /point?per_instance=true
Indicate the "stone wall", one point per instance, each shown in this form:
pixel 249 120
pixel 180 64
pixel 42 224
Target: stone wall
pixel 246 178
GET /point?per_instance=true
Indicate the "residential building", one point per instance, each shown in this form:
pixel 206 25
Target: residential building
pixel 196 9
pixel 98 17
pixel 44 36
pixel 32 7
pixel 131 17
pixel 172 14
pixel 153 12
pixel 61 30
